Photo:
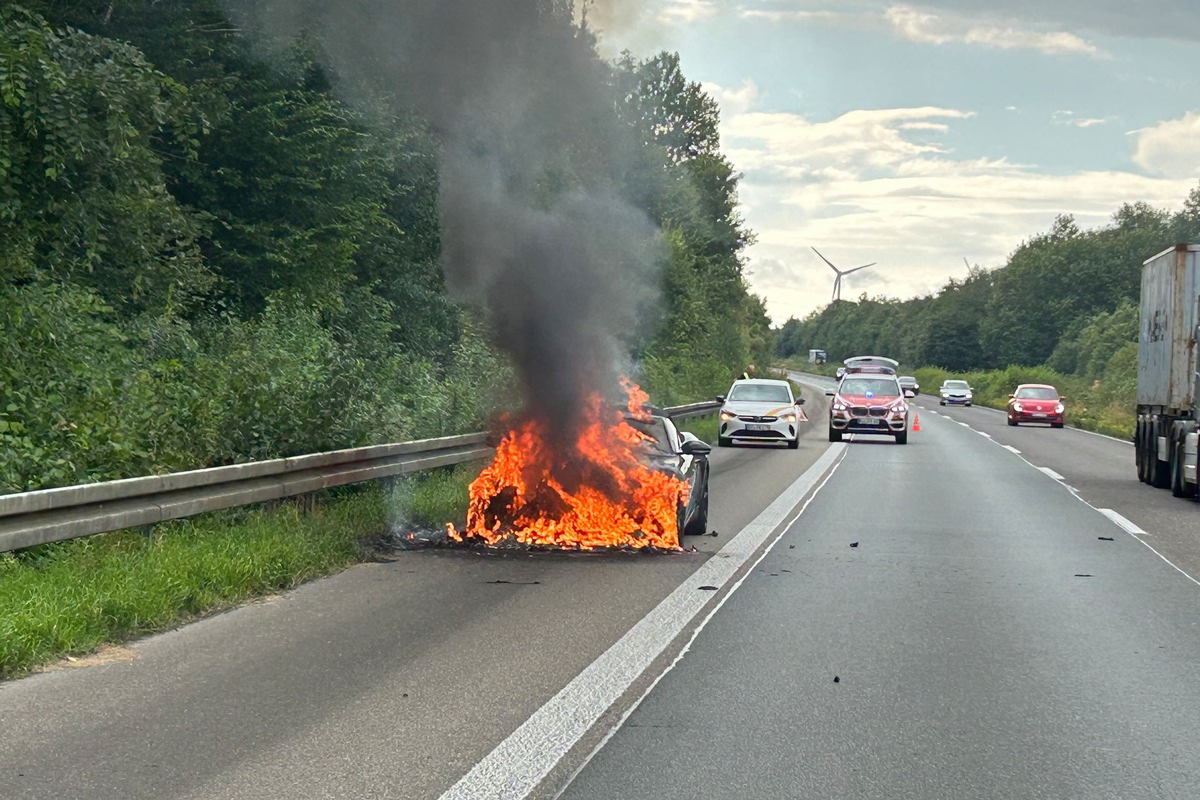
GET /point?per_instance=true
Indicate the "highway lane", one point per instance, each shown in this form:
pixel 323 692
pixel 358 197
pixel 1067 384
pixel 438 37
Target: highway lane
pixel 1101 470
pixel 389 680
pixel 986 639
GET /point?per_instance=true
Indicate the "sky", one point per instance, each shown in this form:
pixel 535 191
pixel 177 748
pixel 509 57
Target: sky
pixel 926 137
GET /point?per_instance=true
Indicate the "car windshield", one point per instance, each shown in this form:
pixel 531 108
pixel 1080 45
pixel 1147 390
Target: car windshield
pixel 760 392
pixel 657 438
pixel 874 387
pixel 954 385
pixel 1037 393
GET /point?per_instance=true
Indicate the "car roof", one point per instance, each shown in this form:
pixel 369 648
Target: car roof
pixel 1035 386
pixel 872 360
pixel 764 381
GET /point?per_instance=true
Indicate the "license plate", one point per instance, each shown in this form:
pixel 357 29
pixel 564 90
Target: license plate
pixel 1039 414
pixel 758 427
pixel 870 422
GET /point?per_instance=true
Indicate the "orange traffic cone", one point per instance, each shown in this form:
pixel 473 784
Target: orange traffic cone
pixel 916 422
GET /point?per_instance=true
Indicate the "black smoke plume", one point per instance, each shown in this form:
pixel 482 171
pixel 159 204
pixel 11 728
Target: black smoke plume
pixel 535 235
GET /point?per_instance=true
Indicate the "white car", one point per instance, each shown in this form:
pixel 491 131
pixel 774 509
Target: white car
pixel 955 393
pixel 759 410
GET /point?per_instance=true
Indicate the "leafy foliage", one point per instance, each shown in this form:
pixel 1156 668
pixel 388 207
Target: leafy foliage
pixel 213 250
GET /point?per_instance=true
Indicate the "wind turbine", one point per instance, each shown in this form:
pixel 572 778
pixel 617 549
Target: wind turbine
pixel 841 273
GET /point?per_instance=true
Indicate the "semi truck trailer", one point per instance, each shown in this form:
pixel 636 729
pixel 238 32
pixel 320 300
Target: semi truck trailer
pixel 1168 379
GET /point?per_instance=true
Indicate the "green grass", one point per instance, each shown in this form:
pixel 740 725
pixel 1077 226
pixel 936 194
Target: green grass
pixel 70 598
pixel 704 428
pixel 431 499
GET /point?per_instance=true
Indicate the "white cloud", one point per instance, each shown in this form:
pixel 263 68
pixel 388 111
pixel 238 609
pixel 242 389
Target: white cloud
pixel 932 27
pixel 860 190
pixel 734 101
pixel 1071 118
pixel 687 12
pixel 1171 148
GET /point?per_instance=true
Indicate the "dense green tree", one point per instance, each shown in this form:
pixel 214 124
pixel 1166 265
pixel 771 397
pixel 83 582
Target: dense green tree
pixel 85 125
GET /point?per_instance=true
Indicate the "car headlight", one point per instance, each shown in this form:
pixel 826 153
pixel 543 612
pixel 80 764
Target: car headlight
pixel 1060 408
pixel 838 405
pixel 727 415
pixel 1018 407
pixel 968 395
pixel 788 417
pixel 899 411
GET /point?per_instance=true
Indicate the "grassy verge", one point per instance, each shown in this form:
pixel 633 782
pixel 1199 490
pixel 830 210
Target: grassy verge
pixel 704 428
pixel 1104 409
pixel 70 598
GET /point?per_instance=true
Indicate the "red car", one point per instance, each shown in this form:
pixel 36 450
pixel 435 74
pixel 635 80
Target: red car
pixel 869 403
pixel 1036 402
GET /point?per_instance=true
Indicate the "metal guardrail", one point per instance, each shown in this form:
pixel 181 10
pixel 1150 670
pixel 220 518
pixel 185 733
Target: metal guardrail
pixel 72 512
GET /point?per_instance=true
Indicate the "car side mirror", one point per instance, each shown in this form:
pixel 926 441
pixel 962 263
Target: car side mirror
pixel 1011 396
pixel 1061 398
pixel 695 448
pixel 830 392
pixel 720 398
pixel 800 401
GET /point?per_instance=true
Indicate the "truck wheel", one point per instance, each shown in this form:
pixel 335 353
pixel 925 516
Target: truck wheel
pixel 1176 469
pixel 1139 451
pixel 1160 471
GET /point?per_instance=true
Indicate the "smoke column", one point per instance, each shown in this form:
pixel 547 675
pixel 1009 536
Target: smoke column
pixel 510 89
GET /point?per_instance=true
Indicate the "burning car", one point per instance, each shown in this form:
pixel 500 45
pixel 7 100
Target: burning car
pixel 683 456
pixel 627 480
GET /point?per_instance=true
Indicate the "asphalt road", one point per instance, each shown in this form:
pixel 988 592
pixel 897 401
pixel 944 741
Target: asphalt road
pixel 390 680
pixel 971 660
pixel 984 639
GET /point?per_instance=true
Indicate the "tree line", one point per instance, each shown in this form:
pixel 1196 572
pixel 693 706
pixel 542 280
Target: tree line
pixel 1067 299
pixel 213 251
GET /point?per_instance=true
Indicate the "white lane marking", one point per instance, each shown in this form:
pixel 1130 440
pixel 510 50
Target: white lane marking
pixel 984 435
pixel 1102 436
pixel 1137 538
pixel 695 634
pixel 965 425
pixel 1011 449
pixel 519 763
pixel 1125 524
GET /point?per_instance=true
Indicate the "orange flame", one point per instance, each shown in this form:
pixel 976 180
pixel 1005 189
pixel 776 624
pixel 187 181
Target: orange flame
pixel 604 497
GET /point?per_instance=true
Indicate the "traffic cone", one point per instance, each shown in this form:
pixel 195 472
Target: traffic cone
pixel 916 422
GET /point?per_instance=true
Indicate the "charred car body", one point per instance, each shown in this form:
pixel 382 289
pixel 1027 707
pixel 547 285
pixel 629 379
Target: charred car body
pixel 869 400
pixel 682 455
